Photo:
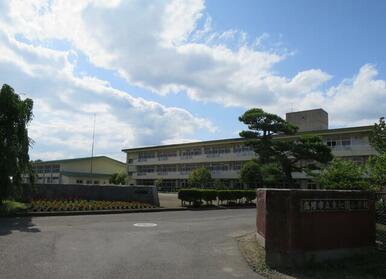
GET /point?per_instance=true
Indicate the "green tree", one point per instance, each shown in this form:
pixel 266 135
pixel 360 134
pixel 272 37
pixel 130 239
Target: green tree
pixel 250 174
pixel 377 169
pixel 262 127
pixel 272 175
pixel 158 183
pixel 15 114
pixel 219 184
pixel 378 136
pixel 290 152
pixel 200 178
pixel 343 175
pixel 118 178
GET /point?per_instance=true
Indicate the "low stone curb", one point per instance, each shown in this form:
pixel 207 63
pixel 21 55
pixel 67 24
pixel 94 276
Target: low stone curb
pixel 220 208
pixel 116 211
pixel 92 212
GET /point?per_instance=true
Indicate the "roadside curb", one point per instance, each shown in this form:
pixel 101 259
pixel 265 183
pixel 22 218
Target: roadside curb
pixel 91 212
pixel 105 212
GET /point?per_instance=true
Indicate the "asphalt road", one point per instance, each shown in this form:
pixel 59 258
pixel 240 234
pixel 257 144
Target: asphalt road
pixel 185 244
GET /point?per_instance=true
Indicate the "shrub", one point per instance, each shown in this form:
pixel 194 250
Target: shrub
pixel 190 195
pixel 208 195
pixel 343 175
pixel 223 195
pixel 380 205
pixel 249 195
pixel 195 196
pixel 377 168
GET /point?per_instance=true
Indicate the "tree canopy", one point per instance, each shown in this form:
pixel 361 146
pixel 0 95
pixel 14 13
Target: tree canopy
pixel 343 174
pixel 378 136
pixel 15 114
pixel 377 167
pixel 118 178
pixel 250 174
pixel 292 153
pixel 200 178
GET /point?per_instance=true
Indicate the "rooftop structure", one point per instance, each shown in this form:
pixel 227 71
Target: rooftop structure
pixel 308 120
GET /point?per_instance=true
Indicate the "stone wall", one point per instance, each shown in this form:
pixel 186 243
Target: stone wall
pixel 301 226
pixel 146 194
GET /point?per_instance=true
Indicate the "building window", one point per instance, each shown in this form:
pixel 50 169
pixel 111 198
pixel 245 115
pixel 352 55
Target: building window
pixel 242 148
pixel 216 151
pixel 338 143
pixel 164 155
pixel 88 182
pixel 218 167
pixel 331 143
pixel 236 165
pixel 146 169
pixel 143 156
pixel 346 142
pixel 56 168
pixel 47 169
pixel 190 152
pixel 79 181
pixel 96 181
pixel 166 168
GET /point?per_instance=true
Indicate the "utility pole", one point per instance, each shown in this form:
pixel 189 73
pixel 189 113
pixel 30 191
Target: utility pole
pixel 92 147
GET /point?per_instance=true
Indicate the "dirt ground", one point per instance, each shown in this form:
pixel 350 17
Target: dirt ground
pixel 169 200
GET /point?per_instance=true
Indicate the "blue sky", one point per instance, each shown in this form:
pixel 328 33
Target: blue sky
pixel 157 72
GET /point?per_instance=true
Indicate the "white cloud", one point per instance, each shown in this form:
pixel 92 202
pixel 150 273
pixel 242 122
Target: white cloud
pixel 160 46
pixel 166 47
pixel 360 100
pixel 65 104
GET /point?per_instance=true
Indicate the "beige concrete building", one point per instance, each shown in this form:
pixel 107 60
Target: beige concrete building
pixel 224 158
pixel 309 120
pixel 96 170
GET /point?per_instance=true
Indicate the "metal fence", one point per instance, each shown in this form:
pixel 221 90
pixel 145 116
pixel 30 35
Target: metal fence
pixel 381 220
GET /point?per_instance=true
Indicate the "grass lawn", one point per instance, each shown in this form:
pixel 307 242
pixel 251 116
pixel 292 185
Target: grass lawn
pixel 370 266
pixel 10 207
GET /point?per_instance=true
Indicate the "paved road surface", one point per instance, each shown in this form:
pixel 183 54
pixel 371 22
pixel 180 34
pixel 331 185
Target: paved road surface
pixel 185 244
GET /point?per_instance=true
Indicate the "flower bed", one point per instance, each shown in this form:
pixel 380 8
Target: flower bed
pixel 84 205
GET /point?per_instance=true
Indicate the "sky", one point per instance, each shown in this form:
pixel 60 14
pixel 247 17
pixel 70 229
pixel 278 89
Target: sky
pixel 159 72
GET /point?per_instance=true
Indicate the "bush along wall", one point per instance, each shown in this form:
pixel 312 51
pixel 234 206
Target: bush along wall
pixel 197 197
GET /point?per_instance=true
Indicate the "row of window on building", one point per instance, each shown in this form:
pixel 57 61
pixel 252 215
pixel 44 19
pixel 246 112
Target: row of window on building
pixel 342 142
pixel 189 152
pixel 226 166
pixel 213 151
pixel 89 181
pixel 52 168
pixel 48 180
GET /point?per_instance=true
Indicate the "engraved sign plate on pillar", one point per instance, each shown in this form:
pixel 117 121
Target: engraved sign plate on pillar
pixel 320 205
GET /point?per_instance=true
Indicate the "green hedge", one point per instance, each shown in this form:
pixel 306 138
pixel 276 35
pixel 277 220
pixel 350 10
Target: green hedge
pixel 197 196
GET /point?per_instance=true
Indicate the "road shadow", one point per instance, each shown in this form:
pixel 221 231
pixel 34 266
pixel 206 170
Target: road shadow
pixel 370 266
pixel 21 224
